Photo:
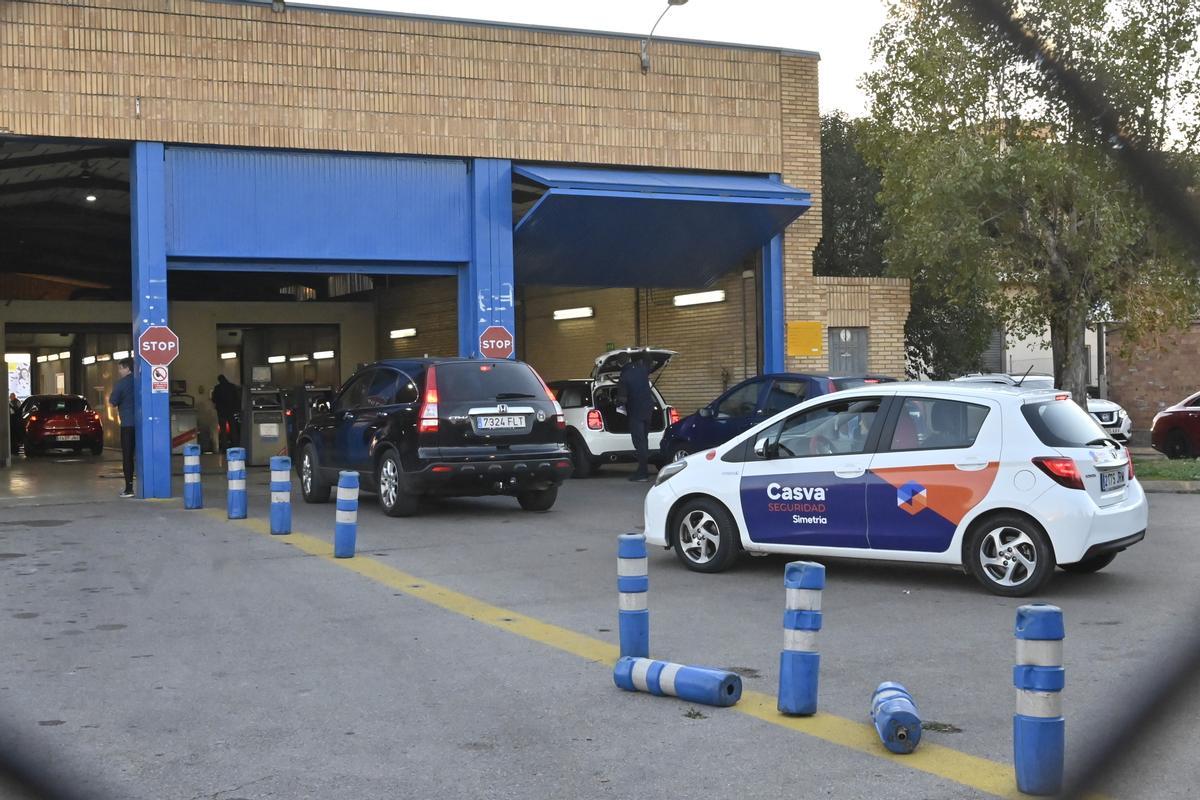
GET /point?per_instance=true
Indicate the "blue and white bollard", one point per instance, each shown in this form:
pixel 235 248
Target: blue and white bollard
pixel 193 491
pixel 895 716
pixel 712 687
pixel 1039 729
pixel 345 529
pixel 633 584
pixel 800 663
pixel 235 471
pixel 281 495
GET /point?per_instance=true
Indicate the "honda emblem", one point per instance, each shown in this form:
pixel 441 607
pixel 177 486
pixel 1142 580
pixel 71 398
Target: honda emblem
pixel 502 408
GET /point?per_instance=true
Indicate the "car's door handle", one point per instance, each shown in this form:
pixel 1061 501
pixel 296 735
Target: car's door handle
pixel 971 465
pixel 849 472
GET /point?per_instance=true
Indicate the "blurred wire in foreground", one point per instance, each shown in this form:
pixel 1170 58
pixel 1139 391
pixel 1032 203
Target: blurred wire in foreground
pixel 1162 190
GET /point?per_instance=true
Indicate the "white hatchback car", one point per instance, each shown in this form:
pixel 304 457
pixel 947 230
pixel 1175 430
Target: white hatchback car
pixel 1004 482
pixel 597 428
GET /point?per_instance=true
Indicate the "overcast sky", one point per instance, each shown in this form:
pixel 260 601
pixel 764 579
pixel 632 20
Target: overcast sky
pixel 840 31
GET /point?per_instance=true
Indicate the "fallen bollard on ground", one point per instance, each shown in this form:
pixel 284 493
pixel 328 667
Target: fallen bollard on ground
pixel 711 687
pixel 895 716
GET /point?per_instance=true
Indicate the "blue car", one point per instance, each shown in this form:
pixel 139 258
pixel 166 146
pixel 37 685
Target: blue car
pixel 746 404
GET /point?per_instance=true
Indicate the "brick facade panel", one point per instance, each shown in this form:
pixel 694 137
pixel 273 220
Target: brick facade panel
pixel 1151 377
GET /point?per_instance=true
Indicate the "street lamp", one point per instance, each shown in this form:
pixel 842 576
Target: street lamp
pixel 646 41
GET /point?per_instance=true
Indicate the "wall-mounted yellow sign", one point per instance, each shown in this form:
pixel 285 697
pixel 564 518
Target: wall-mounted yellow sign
pixel 805 339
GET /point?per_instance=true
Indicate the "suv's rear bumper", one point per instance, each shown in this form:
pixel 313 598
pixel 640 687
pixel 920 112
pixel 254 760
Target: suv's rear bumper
pixel 490 477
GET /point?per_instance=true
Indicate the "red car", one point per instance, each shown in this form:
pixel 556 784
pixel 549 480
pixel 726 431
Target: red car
pixel 1175 431
pixel 60 421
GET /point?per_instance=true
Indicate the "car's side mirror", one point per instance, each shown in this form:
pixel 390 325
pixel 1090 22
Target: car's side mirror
pixel 762 448
pixel 705 412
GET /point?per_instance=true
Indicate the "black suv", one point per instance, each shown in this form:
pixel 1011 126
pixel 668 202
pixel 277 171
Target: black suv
pixel 438 426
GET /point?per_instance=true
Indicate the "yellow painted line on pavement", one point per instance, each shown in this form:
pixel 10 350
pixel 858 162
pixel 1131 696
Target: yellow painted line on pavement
pixel 988 776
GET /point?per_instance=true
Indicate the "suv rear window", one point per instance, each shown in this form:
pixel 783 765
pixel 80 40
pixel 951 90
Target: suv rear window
pixel 1062 423
pixel 506 380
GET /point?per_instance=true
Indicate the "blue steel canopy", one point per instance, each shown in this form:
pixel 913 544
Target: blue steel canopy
pixel 614 227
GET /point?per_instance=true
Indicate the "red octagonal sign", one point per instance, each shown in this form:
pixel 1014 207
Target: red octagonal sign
pixel 158 345
pixel 496 342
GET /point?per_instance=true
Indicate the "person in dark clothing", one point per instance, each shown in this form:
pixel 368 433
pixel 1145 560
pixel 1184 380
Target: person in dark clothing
pixel 633 391
pixel 14 423
pixel 122 397
pixel 227 399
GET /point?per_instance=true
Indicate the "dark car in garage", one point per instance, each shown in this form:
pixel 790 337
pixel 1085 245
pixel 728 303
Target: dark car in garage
pixel 747 403
pixel 60 421
pixel 438 426
pixel 1175 431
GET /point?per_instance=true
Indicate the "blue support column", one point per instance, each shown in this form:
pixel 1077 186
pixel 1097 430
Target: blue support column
pixel 149 225
pixel 485 285
pixel 774 341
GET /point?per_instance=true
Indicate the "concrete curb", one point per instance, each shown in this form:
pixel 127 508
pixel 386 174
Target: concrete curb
pixel 1171 487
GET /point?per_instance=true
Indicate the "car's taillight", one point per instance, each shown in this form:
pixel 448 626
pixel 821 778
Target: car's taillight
pixel 672 415
pixel 33 417
pixel 427 421
pixel 1129 456
pixel 560 421
pixel 1061 470
pixel 595 422
pixel 832 387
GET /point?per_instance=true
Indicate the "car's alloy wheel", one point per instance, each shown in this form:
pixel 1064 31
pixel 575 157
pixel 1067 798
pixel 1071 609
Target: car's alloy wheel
pixel 705 535
pixel 312 487
pixel 1010 556
pixel 1177 446
pixel 395 501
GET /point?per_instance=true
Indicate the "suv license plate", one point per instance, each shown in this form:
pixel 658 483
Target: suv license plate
pixel 69 438
pixel 1112 479
pixel 500 423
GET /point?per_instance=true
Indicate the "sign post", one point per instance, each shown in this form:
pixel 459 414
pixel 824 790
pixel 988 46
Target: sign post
pixel 496 342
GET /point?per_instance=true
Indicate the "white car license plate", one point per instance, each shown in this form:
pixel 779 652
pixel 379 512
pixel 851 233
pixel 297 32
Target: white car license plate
pixel 504 422
pixel 67 438
pixel 1112 479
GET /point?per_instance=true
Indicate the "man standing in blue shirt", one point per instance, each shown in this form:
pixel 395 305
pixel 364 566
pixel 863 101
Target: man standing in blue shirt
pixel 122 398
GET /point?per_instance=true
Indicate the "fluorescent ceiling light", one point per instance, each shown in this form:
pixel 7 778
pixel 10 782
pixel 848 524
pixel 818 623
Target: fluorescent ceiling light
pixel 700 298
pixel 53 357
pixel 104 357
pixel 89 360
pixel 321 355
pixel 121 354
pixel 42 359
pixel 91 198
pixel 298 358
pixel 228 356
pixel 65 354
pixel 276 359
pixel 403 333
pixel 575 313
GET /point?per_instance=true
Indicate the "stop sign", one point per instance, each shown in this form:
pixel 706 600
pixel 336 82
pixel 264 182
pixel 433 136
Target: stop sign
pixel 158 345
pixel 496 342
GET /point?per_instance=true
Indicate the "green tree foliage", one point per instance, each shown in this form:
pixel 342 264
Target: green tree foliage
pixel 997 195
pixel 852 221
pixel 944 336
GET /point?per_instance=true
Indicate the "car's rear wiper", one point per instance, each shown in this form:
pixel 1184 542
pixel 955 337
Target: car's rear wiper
pixel 514 395
pixel 1103 440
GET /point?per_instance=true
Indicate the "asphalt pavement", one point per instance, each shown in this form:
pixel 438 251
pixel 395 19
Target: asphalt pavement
pixel 153 652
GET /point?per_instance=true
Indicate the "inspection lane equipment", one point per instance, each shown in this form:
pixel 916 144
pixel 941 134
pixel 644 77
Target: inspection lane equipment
pixel 895 716
pixel 345 528
pixel 235 499
pixel 1039 729
pixel 800 663
pixel 711 687
pixel 981 774
pixel 193 490
pixel 633 584
pixel 281 495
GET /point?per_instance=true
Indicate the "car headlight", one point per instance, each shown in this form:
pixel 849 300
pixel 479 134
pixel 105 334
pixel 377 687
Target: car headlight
pixel 669 470
pixel 1121 413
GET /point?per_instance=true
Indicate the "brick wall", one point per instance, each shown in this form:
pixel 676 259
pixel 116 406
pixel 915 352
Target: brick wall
pixel 1152 376
pixel 717 343
pixel 567 348
pixel 428 304
pixel 240 74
